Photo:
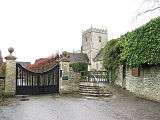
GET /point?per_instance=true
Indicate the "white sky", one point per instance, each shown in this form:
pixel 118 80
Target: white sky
pixel 38 28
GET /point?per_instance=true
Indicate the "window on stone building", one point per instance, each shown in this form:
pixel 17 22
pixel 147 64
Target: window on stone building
pixel 100 38
pixel 135 72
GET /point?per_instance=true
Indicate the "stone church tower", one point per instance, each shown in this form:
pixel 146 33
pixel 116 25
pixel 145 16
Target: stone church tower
pixel 93 40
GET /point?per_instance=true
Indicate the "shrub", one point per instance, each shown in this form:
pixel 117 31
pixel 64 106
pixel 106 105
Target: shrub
pixel 79 66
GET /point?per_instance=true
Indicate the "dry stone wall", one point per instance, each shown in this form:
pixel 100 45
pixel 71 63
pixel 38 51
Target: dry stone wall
pixel 147 85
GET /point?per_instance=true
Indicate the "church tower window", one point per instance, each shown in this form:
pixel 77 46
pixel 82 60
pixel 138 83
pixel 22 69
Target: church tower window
pixel 100 38
pixel 86 38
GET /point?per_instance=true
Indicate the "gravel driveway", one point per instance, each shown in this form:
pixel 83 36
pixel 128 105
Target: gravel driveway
pixel 68 107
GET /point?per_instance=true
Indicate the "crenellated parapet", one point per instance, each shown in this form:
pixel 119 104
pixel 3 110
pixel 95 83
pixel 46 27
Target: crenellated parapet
pixel 96 30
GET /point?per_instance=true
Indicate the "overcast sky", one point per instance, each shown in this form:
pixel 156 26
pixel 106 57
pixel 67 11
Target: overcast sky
pixel 39 28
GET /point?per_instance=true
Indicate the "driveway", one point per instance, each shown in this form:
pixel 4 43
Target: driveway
pixel 121 106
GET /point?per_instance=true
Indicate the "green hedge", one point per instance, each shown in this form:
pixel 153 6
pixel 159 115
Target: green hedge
pixel 140 46
pixel 79 66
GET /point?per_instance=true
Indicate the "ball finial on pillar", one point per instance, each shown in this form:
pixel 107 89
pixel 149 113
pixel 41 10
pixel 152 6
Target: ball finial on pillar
pixel 11 50
pixel 10 57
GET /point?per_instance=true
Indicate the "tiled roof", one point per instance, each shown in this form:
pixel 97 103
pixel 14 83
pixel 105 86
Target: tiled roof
pixel 24 64
pixel 78 57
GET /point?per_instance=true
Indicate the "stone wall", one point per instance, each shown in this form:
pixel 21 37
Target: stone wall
pixel 120 80
pixel 69 82
pixel 72 84
pixel 147 85
pixel 1 85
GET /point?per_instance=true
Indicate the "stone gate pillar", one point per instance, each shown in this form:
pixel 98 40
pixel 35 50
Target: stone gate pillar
pixel 64 67
pixel 10 78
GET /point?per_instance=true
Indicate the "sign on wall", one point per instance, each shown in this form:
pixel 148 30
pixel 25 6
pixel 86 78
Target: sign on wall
pixel 65 77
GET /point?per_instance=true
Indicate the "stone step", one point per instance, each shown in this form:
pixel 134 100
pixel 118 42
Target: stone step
pixel 95 85
pixel 96 92
pixel 90 89
pixel 89 94
pixel 96 95
pixel 93 91
pixel 88 86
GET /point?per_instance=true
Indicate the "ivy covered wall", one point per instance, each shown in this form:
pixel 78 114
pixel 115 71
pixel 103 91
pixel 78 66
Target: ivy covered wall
pixel 135 48
pixel 139 48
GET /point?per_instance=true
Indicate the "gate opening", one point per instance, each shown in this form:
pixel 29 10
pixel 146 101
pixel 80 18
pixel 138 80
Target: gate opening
pixel 34 83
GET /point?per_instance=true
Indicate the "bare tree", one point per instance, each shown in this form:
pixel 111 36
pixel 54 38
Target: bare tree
pixel 149 6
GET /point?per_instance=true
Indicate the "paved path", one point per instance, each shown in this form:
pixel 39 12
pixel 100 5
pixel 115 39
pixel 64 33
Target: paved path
pixel 52 107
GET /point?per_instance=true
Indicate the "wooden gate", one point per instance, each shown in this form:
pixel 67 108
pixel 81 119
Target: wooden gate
pixel 28 82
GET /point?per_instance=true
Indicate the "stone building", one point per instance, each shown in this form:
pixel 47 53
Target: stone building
pixel 98 60
pixel 2 65
pixel 1 58
pixel 93 40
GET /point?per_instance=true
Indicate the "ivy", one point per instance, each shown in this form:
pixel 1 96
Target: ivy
pixel 143 45
pixel 135 48
pixel 111 54
pixel 111 58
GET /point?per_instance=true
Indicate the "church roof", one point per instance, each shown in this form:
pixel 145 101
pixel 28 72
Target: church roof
pixel 78 57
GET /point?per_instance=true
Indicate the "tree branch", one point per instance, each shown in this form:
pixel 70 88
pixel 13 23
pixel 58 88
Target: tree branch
pixel 150 10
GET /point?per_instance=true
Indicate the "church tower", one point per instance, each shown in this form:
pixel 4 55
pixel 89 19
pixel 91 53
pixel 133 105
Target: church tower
pixel 93 40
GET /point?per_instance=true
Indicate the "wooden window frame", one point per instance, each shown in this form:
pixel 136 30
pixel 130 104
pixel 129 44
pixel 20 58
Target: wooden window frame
pixel 135 72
